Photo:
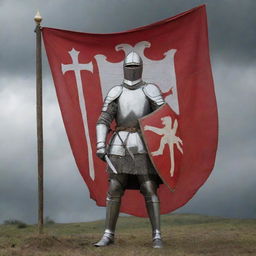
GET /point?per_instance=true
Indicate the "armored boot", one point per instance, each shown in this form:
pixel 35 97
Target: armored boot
pixel 107 239
pixel 148 189
pixel 112 211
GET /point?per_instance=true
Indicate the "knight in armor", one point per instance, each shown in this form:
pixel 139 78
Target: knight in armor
pixel 126 103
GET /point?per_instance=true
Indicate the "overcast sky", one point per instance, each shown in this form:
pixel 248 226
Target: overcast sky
pixel 230 191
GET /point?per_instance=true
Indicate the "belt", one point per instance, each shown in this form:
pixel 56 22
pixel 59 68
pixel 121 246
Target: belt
pixel 127 129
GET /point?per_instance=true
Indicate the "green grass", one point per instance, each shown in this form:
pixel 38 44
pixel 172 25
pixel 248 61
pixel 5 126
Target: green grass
pixel 183 235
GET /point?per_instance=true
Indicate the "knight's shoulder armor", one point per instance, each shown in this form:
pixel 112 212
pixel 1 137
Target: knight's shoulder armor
pixel 153 93
pixel 113 94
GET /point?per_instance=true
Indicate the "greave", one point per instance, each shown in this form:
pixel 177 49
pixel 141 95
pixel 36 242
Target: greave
pixel 112 213
pixel 153 209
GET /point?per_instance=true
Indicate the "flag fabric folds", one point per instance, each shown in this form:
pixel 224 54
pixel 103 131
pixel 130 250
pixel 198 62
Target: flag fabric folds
pixel 175 54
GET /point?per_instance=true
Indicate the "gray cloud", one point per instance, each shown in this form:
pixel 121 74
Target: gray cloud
pixel 231 27
pixel 230 189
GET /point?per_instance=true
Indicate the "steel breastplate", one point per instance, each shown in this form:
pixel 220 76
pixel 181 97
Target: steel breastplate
pixel 132 105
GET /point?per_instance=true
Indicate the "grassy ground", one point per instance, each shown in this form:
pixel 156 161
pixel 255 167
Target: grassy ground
pixel 183 235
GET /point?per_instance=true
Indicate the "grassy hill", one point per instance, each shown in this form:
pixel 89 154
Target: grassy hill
pixel 184 235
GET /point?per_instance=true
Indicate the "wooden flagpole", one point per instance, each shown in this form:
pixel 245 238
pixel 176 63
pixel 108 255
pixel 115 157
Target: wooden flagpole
pixel 39 117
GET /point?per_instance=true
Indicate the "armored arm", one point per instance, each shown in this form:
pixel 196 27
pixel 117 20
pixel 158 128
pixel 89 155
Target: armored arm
pixel 105 119
pixel 102 128
pixel 154 94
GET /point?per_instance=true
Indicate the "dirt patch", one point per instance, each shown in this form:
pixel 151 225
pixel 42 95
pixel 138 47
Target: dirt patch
pixel 45 242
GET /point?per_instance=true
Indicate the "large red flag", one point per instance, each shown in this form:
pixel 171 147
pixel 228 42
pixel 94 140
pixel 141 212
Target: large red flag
pixel 176 57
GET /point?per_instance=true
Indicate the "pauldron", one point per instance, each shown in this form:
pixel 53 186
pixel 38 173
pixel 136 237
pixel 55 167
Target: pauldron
pixel 154 94
pixel 113 94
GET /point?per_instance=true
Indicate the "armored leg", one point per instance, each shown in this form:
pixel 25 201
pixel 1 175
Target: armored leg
pixel 115 192
pixel 148 189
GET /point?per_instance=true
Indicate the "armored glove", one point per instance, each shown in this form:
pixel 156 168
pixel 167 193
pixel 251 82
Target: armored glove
pixel 101 150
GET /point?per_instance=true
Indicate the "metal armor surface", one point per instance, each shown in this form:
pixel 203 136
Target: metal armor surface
pixel 154 94
pixel 132 69
pixel 132 58
pixel 111 96
pixel 132 104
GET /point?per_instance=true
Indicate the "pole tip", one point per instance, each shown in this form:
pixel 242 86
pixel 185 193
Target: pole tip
pixel 38 18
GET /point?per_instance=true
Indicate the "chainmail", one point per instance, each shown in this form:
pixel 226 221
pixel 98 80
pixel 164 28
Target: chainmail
pixel 141 164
